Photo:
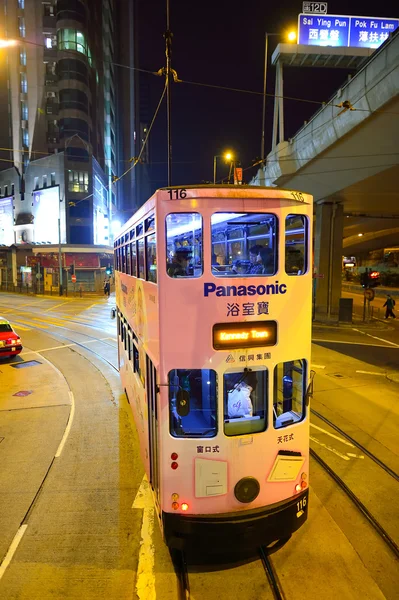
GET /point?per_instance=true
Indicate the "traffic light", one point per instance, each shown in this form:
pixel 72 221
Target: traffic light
pixel 374 279
pixel 72 269
pixel 109 270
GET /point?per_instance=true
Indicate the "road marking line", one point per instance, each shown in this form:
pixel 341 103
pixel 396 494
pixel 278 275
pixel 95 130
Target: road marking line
pixel 323 341
pixel 355 455
pixel 378 338
pixel 145 582
pixel 12 549
pixel 333 435
pixel 22 328
pixel 68 427
pixel 343 456
pixel 29 323
pixel 371 373
pixel 56 347
pixel 55 306
pixel 318 366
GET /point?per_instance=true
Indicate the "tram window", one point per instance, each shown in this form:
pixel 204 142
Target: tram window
pixel 137 368
pixel 195 414
pixel 149 224
pixel 133 259
pixel 245 401
pixel 128 262
pixel 123 249
pixel 140 253
pixel 295 244
pixel 139 229
pixel 184 245
pixel 151 254
pixel 289 393
pixel 244 244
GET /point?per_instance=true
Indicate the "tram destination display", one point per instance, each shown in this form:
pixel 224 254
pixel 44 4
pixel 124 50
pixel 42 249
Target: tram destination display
pixel 250 334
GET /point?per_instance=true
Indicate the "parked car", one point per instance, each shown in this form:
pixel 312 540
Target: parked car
pixel 10 342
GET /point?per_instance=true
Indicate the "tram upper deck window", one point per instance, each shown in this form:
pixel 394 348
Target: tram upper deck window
pixel 192 403
pixel 151 254
pixel 184 245
pixel 133 259
pixel 245 401
pixel 289 393
pixel 295 244
pixel 244 244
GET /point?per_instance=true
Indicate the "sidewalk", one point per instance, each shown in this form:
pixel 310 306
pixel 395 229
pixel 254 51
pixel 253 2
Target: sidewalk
pixel 34 410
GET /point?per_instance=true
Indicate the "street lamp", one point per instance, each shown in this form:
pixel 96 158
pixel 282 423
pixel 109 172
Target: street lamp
pixel 291 36
pixel 227 156
pixel 7 43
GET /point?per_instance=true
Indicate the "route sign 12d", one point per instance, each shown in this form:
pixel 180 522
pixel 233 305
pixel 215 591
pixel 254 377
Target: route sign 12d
pixel 314 7
pixel 343 31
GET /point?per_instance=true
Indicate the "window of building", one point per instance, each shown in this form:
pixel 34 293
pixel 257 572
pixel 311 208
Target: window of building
pixel 70 68
pixel 22 58
pixel 71 39
pixel 48 10
pixel 52 176
pixel 140 254
pixel 81 210
pixel 25 138
pixel 51 68
pixel 36 183
pixel 75 99
pixel 184 245
pixel 71 9
pixel 24 83
pixel 24 110
pixel 21 4
pixel 48 42
pixel 296 245
pixel 21 27
pixel 193 403
pixel 245 401
pixel 78 181
pixel 289 393
pixel 244 244
pixel 70 126
pixel 151 257
pixel 52 127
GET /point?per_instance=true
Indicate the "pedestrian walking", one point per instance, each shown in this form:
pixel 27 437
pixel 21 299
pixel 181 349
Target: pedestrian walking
pixel 107 288
pixel 389 303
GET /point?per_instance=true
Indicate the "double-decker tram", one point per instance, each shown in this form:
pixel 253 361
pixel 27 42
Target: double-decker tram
pixel 213 291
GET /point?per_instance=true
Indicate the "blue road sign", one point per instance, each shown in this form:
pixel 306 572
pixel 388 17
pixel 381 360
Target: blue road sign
pixel 339 30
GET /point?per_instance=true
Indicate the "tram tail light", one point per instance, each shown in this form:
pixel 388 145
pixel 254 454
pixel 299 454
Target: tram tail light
pixel 174 465
pixel 174 456
pixel 303 484
pixel 184 506
pixel 175 505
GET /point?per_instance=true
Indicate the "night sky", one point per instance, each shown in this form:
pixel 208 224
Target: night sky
pixel 222 43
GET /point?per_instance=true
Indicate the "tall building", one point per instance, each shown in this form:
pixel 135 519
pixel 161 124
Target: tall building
pixel 57 86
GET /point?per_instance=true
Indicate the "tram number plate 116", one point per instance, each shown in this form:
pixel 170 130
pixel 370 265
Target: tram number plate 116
pixel 301 505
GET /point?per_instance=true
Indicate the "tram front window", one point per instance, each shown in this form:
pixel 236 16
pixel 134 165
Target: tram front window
pixel 289 393
pixel 192 403
pixel 245 401
pixel 184 245
pixel 244 244
pixel 295 244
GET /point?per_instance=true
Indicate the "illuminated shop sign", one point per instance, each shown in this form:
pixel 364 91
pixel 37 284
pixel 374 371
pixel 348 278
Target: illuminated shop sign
pixel 251 334
pixel 339 30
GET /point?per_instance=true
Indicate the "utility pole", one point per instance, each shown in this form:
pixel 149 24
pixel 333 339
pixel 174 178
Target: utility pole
pixel 59 255
pixel 168 40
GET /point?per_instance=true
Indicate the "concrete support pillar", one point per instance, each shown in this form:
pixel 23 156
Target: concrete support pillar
pixel 328 257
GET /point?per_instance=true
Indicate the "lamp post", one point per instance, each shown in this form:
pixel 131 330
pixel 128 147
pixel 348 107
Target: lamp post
pixel 292 38
pixel 227 156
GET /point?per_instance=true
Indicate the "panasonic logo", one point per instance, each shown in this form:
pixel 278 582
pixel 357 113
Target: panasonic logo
pixel 244 290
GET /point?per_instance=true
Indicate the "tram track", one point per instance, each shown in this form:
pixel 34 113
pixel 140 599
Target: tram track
pixel 358 503
pixel 271 574
pixel 358 445
pixel 81 344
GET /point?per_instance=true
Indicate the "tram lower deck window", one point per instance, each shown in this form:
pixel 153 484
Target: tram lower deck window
pixel 289 393
pixel 192 403
pixel 245 401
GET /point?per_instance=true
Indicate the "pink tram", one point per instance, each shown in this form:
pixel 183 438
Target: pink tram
pixel 213 291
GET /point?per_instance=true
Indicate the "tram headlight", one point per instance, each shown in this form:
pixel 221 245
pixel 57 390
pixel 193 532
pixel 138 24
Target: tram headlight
pixel 184 506
pixel 298 487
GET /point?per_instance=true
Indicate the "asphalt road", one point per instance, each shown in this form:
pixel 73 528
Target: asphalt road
pixel 82 533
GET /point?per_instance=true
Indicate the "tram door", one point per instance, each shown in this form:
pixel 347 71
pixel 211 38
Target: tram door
pixel 153 425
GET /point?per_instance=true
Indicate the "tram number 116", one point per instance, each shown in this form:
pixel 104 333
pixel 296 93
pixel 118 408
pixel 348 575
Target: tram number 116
pixel 301 504
pixel 176 194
